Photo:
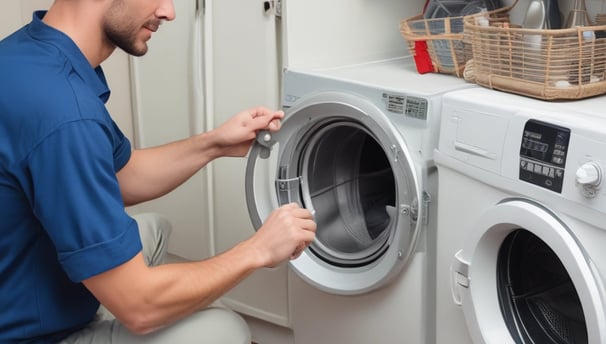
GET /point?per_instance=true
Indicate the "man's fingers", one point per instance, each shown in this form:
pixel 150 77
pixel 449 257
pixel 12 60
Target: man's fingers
pixel 267 120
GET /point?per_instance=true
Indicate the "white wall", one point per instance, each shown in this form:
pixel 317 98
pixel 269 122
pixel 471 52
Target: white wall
pixel 245 74
pixel 339 32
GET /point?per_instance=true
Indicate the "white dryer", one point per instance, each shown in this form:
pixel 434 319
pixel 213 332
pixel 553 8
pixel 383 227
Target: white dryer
pixel 356 147
pixel 521 220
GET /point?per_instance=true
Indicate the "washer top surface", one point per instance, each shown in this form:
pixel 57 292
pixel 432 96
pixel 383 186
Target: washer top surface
pixel 398 74
pixel 585 112
pixel 411 101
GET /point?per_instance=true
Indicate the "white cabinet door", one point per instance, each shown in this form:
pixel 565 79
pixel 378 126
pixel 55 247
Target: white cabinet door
pixel 168 105
pixel 245 74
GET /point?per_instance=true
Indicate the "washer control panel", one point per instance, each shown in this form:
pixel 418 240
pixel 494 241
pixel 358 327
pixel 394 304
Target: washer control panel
pixel 543 153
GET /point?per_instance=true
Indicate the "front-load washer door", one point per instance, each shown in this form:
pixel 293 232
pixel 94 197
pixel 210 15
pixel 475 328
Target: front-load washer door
pixel 523 277
pixel 340 157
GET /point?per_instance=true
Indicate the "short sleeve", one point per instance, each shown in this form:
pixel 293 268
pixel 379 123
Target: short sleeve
pixel 77 199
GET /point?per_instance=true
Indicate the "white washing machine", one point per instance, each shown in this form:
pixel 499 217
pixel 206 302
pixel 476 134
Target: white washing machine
pixel 521 220
pixel 356 147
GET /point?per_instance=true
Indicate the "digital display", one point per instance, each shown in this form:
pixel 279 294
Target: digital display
pixel 535 146
pixel 543 154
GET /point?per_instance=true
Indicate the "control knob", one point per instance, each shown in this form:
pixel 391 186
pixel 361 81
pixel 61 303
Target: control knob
pixel 589 176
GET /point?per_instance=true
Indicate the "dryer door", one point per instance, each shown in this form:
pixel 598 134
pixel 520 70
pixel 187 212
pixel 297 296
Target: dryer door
pixel 341 157
pixel 524 278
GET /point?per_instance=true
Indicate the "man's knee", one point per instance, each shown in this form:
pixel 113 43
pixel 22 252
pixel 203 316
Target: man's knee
pixel 212 325
pixel 154 230
pixel 229 327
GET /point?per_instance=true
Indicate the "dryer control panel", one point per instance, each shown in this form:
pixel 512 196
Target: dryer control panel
pixel 543 154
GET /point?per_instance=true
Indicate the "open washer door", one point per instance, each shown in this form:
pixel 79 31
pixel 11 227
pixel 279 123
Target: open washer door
pixel 523 277
pixel 341 157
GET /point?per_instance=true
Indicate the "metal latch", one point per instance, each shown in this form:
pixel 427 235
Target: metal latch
pixel 286 188
pixel 274 6
pixel 265 141
pixel 426 200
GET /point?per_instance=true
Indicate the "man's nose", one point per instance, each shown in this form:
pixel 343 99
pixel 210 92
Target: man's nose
pixel 166 10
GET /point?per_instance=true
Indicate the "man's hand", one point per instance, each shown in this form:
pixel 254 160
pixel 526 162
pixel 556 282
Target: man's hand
pixel 285 234
pixel 234 137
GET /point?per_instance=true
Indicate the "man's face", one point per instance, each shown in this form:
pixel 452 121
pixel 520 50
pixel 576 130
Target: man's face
pixel 129 24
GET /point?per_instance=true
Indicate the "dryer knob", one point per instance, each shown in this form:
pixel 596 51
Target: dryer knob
pixel 589 174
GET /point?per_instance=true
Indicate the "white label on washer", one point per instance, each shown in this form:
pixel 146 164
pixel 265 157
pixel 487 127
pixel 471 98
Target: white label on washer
pixel 406 105
pixel 394 102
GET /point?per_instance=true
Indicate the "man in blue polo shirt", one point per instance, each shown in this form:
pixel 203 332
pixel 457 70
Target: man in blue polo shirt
pixel 66 173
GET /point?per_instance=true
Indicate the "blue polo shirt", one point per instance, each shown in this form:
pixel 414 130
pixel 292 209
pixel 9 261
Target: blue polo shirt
pixel 62 217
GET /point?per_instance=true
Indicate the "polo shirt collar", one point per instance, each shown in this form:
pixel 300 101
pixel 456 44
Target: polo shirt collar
pixel 93 77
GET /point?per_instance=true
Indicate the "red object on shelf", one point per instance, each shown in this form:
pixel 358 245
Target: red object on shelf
pixel 422 58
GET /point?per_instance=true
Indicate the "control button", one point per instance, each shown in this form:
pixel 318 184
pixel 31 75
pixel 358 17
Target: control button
pixel 589 174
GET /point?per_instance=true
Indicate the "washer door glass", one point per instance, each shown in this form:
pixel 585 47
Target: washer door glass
pixel 351 187
pixel 342 158
pixel 537 297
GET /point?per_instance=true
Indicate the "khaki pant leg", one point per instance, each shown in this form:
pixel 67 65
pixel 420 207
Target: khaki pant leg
pixel 154 230
pixel 212 325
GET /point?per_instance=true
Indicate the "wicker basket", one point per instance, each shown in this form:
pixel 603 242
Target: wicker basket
pixel 544 64
pixel 445 40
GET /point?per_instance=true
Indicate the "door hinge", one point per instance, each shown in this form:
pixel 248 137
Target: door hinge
pixel 200 6
pixel 421 208
pixel 274 6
